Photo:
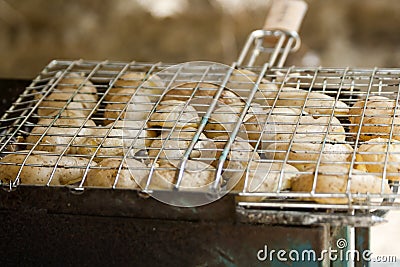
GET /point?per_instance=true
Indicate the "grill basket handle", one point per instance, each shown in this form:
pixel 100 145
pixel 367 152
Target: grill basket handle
pixel 286 15
pixel 279 35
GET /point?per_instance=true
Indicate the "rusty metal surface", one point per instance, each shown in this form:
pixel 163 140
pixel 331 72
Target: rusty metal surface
pixel 132 203
pixel 288 217
pixel 106 202
pixel 37 238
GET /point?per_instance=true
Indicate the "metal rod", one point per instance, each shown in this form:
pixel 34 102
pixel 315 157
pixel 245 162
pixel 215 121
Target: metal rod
pixel 153 165
pixel 202 125
pixel 357 139
pixel 80 127
pixel 236 128
pixel 290 40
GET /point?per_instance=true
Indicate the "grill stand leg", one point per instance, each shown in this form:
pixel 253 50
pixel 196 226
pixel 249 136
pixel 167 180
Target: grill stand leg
pixel 362 237
pixel 340 234
pixel 340 241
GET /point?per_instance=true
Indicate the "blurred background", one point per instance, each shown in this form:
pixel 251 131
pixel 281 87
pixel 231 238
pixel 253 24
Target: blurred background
pixel 334 33
pixel 358 33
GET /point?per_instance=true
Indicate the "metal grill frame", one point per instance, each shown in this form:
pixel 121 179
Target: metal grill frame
pixel 344 83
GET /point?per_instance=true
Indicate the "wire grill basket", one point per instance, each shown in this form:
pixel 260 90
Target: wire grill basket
pixel 275 136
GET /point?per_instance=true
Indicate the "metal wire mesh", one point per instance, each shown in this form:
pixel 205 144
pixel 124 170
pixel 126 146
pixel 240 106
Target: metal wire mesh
pixel 277 137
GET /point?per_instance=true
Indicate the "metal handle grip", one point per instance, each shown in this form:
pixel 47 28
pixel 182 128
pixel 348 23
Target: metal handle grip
pixel 278 37
pixel 286 15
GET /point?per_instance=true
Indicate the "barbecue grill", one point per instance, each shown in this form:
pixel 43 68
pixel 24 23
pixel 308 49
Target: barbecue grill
pixel 153 223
